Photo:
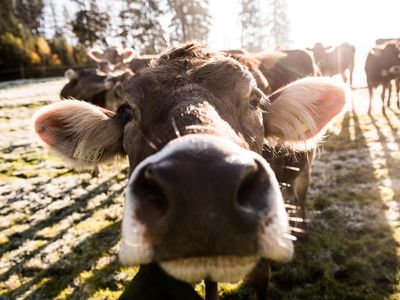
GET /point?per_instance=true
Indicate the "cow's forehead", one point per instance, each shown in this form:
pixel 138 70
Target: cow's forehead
pixel 192 64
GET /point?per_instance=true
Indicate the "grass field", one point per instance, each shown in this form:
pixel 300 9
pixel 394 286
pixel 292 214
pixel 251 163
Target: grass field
pixel 59 229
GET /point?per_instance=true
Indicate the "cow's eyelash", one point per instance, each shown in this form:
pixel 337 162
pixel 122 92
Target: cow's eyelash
pixel 255 98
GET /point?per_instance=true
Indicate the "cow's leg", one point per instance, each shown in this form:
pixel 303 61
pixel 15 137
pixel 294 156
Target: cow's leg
pixel 344 76
pixel 259 278
pixel 370 93
pixel 351 68
pixel 397 91
pixel 301 184
pixel 211 289
pixel 390 93
pixel 383 94
pixel 96 171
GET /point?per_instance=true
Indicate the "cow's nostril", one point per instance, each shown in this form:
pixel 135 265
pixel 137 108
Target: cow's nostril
pixel 150 195
pixel 252 190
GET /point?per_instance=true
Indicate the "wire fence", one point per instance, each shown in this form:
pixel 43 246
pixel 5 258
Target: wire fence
pixel 24 72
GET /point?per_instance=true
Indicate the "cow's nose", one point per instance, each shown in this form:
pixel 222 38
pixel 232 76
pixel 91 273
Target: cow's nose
pixel 208 195
pixel 162 187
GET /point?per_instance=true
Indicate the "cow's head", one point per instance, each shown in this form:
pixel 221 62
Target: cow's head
pixel 115 86
pixel 319 53
pixel 388 55
pixel 83 84
pixel 113 59
pixel 200 199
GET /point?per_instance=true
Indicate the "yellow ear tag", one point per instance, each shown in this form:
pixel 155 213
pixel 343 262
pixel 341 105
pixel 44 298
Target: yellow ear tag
pixel 93 155
pixel 303 123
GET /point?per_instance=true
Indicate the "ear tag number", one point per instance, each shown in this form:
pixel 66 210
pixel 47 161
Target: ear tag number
pixel 93 154
pixel 303 124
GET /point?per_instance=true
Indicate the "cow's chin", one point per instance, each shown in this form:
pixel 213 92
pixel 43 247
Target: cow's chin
pixel 220 268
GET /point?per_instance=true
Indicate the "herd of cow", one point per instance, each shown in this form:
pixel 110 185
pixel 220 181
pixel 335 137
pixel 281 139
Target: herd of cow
pixel 215 141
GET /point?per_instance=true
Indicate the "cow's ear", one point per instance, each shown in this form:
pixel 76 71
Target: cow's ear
pixel 300 113
pixel 376 51
pixel 71 74
pixel 128 54
pixel 78 131
pixel 96 54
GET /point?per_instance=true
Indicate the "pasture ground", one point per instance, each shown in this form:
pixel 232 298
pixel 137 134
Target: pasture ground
pixel 59 229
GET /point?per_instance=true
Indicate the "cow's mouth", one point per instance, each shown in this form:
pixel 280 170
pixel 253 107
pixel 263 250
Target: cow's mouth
pixel 219 268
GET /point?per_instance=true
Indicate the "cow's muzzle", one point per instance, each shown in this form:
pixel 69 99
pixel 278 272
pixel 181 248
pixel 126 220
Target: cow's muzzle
pixel 204 207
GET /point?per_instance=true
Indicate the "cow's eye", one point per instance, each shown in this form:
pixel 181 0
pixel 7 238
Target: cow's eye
pixel 125 113
pixel 255 98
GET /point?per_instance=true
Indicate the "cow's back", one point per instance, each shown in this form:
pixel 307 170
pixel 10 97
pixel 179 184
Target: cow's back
pixel 285 66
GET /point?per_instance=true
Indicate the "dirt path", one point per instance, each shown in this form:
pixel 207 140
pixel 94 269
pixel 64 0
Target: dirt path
pixel 59 229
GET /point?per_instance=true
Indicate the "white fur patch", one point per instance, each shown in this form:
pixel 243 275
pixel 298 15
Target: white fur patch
pixel 275 239
pixel 384 73
pixel 134 249
pixel 395 70
pixel 220 268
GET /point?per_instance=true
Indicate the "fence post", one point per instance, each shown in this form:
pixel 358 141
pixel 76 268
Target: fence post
pixel 21 70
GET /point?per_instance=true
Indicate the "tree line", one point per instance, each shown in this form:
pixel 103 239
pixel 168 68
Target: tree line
pixel 40 38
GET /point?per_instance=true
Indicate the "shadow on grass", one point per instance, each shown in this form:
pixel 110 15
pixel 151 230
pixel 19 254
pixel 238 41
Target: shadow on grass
pixel 76 205
pixel 58 276
pixel 349 251
pixel 18 267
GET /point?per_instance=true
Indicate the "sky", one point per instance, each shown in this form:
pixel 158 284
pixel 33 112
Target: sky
pixel 331 22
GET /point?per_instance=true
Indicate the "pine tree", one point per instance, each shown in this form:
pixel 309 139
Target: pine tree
pixel 140 25
pixel 253 37
pixel 9 23
pixel 190 20
pixel 278 23
pixel 30 13
pixel 90 24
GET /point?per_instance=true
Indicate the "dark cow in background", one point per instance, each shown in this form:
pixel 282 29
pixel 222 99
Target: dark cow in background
pixel 90 86
pixel 201 202
pixel 335 60
pixel 381 67
pixel 284 66
pixel 85 85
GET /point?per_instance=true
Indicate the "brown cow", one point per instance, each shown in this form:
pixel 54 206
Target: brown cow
pixel 397 79
pixel 201 201
pixel 86 85
pixel 384 41
pixel 336 60
pixel 89 86
pixel 381 67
